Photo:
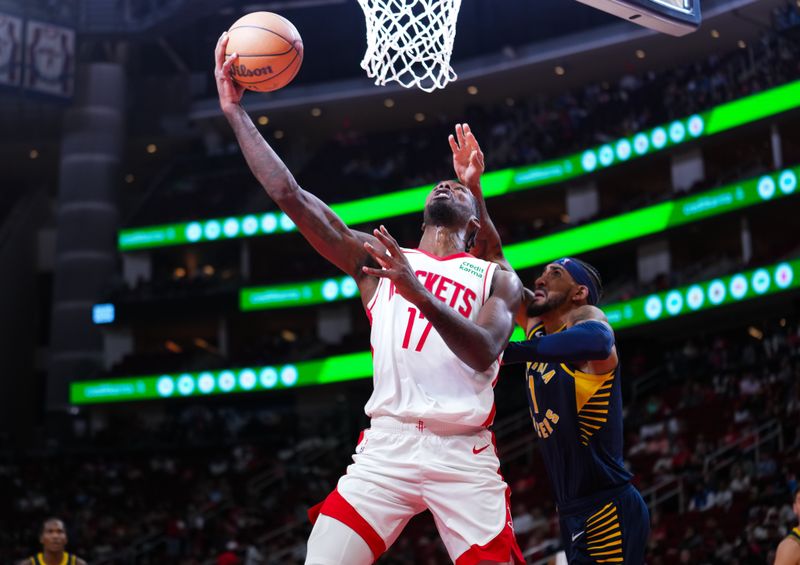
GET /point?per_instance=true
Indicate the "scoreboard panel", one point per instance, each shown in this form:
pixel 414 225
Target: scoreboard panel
pixel 674 17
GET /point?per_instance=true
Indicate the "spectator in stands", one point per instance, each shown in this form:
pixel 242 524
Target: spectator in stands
pixel 53 537
pixel 739 481
pixel 703 498
pixel 230 556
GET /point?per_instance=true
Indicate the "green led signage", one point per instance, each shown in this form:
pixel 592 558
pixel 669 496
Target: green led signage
pixel 226 381
pixel 652 219
pixel 719 119
pixel 300 294
pixel 589 237
pixel 705 295
pixel 673 303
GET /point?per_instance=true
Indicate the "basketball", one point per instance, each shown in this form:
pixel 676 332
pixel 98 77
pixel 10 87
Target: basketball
pixel 270 51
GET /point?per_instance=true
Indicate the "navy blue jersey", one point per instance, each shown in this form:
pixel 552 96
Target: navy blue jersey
pixel 578 417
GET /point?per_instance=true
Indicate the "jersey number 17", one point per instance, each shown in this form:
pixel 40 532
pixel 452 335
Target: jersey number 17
pixel 412 318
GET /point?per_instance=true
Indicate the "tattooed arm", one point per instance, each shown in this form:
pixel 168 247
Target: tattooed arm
pixel 321 227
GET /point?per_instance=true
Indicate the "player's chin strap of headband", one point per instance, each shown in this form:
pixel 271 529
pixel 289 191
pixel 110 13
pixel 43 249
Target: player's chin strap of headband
pixel 581 276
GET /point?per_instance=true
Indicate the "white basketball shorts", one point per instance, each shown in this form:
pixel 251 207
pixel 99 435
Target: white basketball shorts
pixel 401 468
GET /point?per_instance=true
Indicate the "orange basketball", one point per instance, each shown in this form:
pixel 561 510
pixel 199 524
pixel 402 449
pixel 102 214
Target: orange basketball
pixel 270 51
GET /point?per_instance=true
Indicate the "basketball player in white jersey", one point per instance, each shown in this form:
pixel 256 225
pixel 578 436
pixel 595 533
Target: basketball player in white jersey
pixel 440 320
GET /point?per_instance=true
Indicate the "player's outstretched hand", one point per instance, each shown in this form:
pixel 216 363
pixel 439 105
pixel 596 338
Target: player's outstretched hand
pixel 230 93
pixel 467 157
pixel 394 266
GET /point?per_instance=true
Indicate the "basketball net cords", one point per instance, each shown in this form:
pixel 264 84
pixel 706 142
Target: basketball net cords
pixel 410 42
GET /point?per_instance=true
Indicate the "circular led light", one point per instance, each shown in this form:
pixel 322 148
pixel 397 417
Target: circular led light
pixel 766 188
pixel 623 149
pixel 249 225
pixel 761 281
pixel 674 302
pixel 784 275
pixel 286 223
pixel 787 181
pixel 606 155
pixel 205 382
pixel 330 290
pixel 247 379
pixel 349 287
pixel 738 286
pixel 653 307
pixel 212 229
pixel 289 375
pixel 227 380
pixel 231 227
pixel 695 297
pixel 659 138
pixel 269 223
pixel 696 126
pixel 716 292
pixel 677 131
pixel 185 384
pixel 194 231
pixel 165 386
pixel 589 161
pixel 268 377
pixel 641 144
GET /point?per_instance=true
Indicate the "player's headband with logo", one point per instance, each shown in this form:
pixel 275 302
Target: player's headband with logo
pixel 581 276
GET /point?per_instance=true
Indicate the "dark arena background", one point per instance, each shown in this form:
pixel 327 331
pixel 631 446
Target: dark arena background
pixel 182 376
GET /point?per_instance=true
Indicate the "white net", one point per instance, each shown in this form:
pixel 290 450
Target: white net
pixel 410 41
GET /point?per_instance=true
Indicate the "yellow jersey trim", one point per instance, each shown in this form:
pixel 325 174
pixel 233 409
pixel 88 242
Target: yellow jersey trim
pixel 65 560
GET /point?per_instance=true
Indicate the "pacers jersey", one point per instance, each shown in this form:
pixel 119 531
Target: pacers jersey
pixel 578 418
pixel 795 534
pixel 67 559
pixel 416 375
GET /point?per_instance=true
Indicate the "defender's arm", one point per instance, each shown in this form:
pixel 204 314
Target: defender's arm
pixel 588 337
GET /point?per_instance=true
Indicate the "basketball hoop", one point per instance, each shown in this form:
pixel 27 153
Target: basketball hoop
pixel 410 42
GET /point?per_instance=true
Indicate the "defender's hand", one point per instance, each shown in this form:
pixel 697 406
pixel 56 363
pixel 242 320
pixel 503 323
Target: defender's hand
pixel 230 93
pixel 467 157
pixel 394 266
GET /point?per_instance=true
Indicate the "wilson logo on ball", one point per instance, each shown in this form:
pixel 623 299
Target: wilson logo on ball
pixel 243 71
pixel 269 51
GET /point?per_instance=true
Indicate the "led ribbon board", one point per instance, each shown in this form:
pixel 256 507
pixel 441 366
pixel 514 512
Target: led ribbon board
pixel 603 233
pixel 716 120
pixel 227 381
pixel 673 303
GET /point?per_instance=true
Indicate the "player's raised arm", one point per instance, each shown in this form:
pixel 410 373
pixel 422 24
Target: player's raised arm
pixel 468 164
pixel 323 229
pixel 479 343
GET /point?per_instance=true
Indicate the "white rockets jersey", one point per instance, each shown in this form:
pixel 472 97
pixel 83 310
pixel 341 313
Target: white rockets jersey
pixel 416 375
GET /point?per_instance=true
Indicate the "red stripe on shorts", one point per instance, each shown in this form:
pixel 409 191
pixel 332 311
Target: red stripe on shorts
pixel 502 549
pixel 338 508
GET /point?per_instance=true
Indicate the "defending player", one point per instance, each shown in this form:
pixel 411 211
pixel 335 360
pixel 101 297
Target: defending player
pixel 53 537
pixel 574 394
pixel 440 320
pixel 789 549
